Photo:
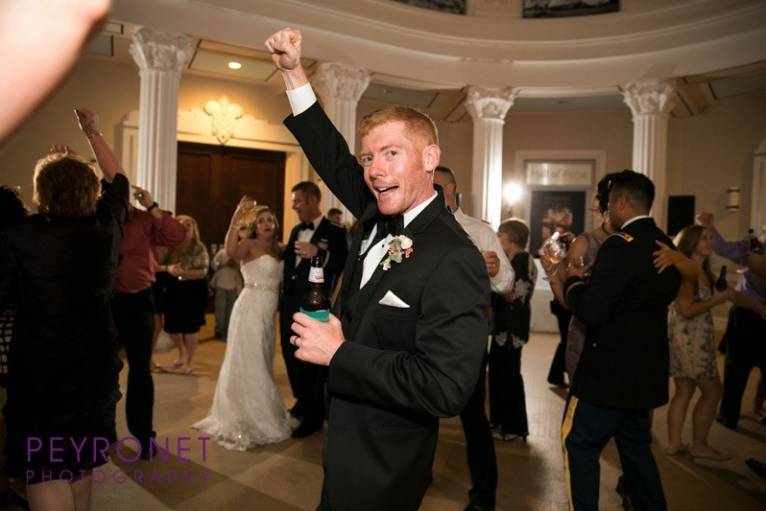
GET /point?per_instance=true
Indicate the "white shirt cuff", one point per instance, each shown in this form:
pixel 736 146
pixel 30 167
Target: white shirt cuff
pixel 301 98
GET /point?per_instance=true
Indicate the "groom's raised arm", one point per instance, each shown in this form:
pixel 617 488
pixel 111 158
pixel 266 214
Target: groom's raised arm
pixel 324 146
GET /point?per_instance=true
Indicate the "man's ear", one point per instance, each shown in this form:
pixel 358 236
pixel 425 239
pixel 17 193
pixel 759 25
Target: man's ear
pixel 431 156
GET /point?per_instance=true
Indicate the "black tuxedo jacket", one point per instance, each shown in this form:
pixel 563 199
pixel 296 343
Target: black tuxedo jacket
pixel 295 279
pixel 625 361
pixel 400 369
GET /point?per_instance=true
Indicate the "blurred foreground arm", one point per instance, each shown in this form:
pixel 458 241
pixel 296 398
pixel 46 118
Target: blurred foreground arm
pixel 28 32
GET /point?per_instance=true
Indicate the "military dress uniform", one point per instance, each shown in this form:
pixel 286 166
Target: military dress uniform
pixel 623 371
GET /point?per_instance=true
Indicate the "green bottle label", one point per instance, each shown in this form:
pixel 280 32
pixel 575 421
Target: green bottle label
pixel 322 315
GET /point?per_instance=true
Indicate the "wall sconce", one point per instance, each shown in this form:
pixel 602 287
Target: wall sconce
pixel 512 193
pixel 732 198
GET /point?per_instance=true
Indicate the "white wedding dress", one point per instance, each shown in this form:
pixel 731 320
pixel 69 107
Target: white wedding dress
pixel 247 408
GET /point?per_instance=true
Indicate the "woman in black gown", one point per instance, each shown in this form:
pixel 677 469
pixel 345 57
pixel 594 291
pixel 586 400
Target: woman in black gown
pixel 58 266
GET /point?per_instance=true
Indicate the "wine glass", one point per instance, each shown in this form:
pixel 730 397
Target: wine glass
pixel 554 249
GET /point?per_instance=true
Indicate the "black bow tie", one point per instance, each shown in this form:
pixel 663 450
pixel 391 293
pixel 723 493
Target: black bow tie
pixel 393 225
pixel 307 225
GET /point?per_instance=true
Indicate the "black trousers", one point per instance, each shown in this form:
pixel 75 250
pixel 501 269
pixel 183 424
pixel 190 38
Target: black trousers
pixel 585 431
pixel 507 401
pixel 558 366
pixel 745 349
pixel 480 447
pixel 307 381
pixel 134 317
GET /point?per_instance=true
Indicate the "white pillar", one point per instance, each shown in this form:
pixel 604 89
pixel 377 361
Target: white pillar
pixel 339 87
pixel 651 103
pixel 488 108
pixel 160 57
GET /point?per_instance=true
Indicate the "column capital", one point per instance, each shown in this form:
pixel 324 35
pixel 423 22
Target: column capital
pixel 336 80
pixel 486 103
pixel 647 98
pixel 154 49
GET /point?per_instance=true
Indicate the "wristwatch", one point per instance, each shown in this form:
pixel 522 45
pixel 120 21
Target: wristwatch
pixel 154 205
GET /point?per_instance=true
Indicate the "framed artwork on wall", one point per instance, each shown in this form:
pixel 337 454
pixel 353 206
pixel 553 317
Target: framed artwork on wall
pixel 559 193
pixel 564 8
pixel 555 211
pixel 448 6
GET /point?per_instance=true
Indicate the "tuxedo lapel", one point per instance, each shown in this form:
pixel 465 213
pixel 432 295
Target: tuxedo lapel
pixel 361 301
pixel 353 269
pixel 318 232
pixel 289 254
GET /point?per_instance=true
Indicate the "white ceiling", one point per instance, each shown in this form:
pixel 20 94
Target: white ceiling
pixel 211 59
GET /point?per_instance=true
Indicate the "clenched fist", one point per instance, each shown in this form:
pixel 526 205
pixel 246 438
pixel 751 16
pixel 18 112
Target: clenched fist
pixel 285 49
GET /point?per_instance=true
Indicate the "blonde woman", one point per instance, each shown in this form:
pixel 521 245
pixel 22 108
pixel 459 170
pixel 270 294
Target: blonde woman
pixel 247 408
pixel 186 296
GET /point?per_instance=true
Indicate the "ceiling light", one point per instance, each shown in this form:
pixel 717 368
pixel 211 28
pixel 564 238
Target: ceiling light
pixel 235 65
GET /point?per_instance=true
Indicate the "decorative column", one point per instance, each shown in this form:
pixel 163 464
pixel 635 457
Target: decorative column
pixel 651 103
pixel 160 57
pixel 340 86
pixel 488 108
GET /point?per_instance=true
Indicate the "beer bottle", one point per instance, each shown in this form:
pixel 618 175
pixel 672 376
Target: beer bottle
pixel 720 284
pixel 755 245
pixel 314 302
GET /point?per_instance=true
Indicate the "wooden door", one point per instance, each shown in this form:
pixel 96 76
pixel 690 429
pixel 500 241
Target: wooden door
pixel 212 179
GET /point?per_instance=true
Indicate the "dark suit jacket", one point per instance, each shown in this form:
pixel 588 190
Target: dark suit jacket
pixel 400 369
pixel 295 279
pixel 625 361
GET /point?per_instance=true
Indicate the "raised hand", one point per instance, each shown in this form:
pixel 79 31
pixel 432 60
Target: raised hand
pixel 88 122
pixel 245 204
pixel 285 49
pixel 705 219
pixel 61 149
pixel 144 197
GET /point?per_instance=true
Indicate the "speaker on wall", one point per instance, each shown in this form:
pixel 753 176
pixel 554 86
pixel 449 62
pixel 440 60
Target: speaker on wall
pixel 680 213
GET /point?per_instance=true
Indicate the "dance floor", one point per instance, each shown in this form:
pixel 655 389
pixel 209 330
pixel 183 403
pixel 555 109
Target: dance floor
pixel 288 476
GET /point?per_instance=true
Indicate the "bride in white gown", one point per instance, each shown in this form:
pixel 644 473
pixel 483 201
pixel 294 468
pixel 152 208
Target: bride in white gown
pixel 247 408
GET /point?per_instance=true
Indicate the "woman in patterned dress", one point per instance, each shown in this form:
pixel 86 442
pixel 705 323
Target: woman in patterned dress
pixel 512 312
pixel 692 349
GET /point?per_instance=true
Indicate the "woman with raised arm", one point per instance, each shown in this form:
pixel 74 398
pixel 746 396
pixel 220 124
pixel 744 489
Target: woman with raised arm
pixel 247 407
pixel 59 265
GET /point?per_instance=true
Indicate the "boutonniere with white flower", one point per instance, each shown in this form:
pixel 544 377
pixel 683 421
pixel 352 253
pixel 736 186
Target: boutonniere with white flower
pixel 399 248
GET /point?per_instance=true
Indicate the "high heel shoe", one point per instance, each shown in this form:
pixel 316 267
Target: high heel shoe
pixel 509 437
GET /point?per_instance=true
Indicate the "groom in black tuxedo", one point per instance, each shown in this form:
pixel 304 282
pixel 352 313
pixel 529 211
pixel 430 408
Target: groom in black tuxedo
pixel 313 236
pixel 410 335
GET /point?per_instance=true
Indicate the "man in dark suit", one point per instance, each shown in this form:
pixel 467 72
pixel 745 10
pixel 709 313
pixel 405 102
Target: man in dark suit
pixel 623 370
pixel 412 332
pixel 314 236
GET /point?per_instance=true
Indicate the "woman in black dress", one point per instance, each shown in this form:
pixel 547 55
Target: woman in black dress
pixel 186 298
pixel 512 313
pixel 58 266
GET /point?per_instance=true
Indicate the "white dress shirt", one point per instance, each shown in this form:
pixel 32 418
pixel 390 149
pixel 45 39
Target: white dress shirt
pixel 376 252
pixel 486 239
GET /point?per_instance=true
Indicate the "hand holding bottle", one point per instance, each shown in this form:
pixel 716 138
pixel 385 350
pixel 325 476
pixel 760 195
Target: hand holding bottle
pixel 317 341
